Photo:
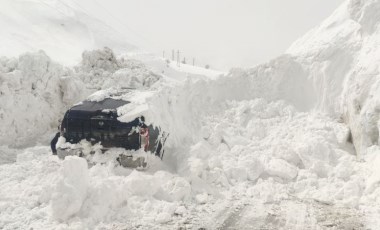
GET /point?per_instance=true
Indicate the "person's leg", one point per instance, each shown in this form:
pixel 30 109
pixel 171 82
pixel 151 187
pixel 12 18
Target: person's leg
pixel 53 143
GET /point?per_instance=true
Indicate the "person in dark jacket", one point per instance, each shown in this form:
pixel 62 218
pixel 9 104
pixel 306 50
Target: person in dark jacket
pixel 54 142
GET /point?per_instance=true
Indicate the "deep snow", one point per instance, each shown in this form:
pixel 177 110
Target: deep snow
pixel 35 91
pixel 268 147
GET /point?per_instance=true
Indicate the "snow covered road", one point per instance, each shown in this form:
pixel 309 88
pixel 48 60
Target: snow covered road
pixel 293 213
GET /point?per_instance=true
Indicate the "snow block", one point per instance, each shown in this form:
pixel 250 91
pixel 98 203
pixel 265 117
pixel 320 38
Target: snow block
pixel 282 169
pixel 71 190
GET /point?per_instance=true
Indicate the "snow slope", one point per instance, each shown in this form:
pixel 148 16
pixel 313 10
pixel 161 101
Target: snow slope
pixel 341 57
pixel 62 29
pixel 267 147
pixel 332 69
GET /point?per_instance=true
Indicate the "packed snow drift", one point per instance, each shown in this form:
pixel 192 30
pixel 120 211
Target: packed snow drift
pixel 290 144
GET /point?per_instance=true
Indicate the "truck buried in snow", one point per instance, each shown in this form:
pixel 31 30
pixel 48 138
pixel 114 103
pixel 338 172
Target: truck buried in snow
pixel 97 123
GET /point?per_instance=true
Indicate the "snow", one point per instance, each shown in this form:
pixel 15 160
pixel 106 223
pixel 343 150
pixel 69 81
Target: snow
pixel 71 190
pixel 267 147
pixel 341 56
pixel 62 29
pixel 43 90
pixel 195 70
pixel 298 154
pixel 34 93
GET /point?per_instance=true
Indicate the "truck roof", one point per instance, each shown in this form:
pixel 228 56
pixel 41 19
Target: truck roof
pixel 92 106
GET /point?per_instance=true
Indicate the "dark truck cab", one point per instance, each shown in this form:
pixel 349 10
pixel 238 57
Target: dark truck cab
pixel 97 122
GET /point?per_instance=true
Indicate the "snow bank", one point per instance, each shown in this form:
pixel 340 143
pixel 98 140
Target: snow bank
pixel 342 55
pixel 284 143
pixel 333 69
pixel 100 69
pixel 103 59
pixel 35 92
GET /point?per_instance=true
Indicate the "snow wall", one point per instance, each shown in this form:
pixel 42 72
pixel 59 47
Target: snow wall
pixel 36 91
pixel 333 69
pixel 341 57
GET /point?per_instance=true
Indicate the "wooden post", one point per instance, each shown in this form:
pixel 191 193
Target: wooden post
pixel 178 62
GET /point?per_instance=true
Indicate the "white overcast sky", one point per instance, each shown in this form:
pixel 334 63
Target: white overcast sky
pixel 222 33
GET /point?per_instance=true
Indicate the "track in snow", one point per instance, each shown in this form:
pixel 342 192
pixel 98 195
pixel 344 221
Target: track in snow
pixel 293 214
